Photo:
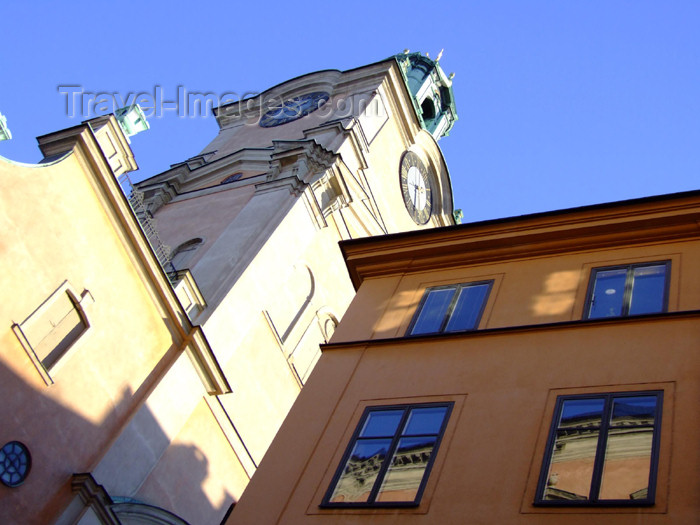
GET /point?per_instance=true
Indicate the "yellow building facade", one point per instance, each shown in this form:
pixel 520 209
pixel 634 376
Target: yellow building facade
pixel 539 369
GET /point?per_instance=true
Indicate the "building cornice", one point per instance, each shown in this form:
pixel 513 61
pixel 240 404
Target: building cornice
pixel 635 222
pixel 508 330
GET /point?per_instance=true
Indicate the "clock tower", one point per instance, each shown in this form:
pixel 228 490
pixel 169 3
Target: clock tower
pixel 254 220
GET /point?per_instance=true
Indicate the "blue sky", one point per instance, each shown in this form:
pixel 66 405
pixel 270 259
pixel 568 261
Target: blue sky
pixel 561 103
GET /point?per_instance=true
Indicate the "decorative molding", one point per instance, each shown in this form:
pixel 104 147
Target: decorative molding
pixel 641 221
pixel 94 496
pixel 109 136
pixel 131 512
pixel 205 364
pixel 205 172
pixel 303 159
pixel 26 331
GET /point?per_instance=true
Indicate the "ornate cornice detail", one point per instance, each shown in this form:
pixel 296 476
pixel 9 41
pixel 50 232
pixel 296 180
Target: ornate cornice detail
pixel 94 496
pixel 304 160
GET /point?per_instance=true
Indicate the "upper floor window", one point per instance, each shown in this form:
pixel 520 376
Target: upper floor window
pixel 628 290
pixel 451 308
pixel 389 458
pixel 602 449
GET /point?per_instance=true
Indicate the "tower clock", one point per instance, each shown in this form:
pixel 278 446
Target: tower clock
pixel 416 187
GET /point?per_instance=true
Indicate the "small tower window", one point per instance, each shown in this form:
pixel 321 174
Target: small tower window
pixel 232 178
pixel 182 255
pixel 427 109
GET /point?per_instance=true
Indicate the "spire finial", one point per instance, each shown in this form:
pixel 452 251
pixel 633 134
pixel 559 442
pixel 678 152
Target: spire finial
pixel 440 55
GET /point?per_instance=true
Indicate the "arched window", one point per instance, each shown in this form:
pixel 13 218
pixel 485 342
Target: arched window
pixel 232 178
pixel 292 303
pixel 182 255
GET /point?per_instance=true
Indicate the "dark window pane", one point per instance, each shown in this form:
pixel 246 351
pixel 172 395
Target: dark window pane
pixel 648 290
pixel 633 411
pixel 466 312
pixel 627 464
pixel 403 479
pixel 571 467
pixel 361 470
pixel 581 412
pixel 425 420
pixel 608 294
pixel 381 423
pixel 433 312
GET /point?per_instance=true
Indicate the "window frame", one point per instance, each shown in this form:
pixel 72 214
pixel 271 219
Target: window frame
pixel 32 337
pixel 599 458
pixel 450 309
pixel 371 500
pixel 185 251
pixel 628 288
pixel 232 178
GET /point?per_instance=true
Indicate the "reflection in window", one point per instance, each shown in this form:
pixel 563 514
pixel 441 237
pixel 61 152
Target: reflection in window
pixel 451 308
pixel 409 436
pixel 602 449
pixel 628 290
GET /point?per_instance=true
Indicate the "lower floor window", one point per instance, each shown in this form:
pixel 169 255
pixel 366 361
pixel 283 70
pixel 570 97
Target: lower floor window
pixel 602 450
pixel 389 458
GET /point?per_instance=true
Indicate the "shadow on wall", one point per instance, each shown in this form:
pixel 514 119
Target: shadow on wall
pixel 62 443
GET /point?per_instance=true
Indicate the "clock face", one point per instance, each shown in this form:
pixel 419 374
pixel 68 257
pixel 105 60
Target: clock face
pixel 415 187
pixel 293 109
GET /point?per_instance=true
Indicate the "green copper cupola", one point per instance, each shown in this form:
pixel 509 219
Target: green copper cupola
pixel 431 92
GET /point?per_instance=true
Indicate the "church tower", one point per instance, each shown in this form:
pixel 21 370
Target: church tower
pixel 254 222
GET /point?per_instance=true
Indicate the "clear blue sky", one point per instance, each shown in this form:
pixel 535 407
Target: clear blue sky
pixel 561 103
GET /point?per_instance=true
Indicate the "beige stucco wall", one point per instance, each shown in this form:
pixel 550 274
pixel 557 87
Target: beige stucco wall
pixel 254 361
pixel 125 402
pixel 55 229
pixel 202 217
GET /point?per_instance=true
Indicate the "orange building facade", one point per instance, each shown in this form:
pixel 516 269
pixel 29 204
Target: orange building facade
pixel 538 369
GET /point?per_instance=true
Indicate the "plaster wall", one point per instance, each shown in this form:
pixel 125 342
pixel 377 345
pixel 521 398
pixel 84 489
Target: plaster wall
pixel 205 216
pixel 504 386
pixel 102 378
pixel 504 378
pixel 248 343
pixel 213 473
pixel 538 290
